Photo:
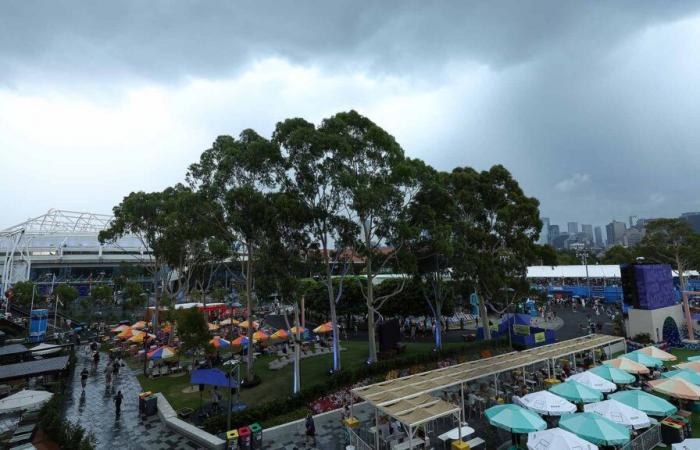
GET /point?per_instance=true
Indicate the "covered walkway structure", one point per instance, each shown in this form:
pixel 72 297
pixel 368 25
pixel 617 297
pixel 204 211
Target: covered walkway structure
pixel 408 400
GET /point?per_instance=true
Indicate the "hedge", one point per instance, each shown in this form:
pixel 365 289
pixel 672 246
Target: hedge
pixel 344 378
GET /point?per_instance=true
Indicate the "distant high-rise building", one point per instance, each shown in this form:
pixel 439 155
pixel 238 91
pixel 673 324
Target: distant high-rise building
pixel 588 231
pixel 560 241
pixel 599 237
pixel 632 237
pixel 633 221
pixel 693 219
pixel 544 233
pixel 572 227
pixel 615 231
pixel 553 232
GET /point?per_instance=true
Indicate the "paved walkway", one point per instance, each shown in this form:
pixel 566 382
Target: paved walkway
pixel 94 410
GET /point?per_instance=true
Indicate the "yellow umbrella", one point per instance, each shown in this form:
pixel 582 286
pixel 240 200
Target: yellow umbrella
pixel 657 353
pixel 627 365
pixel 140 325
pixel 676 387
pixel 246 324
pixel 324 328
pixel 126 334
pixel 119 329
pixel 301 330
pixel 213 326
pixel 260 336
pixel 693 365
pixel 140 337
pixel 280 334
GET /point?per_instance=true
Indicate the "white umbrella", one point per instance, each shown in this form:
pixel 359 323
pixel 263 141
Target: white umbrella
pixel 24 400
pixel 594 381
pixel 620 413
pixel 557 439
pixel 688 444
pixel 46 349
pixel 544 402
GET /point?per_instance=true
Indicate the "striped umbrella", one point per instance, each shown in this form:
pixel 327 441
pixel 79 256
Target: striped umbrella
pixel 140 336
pixel 212 326
pixel 676 387
pixel 594 428
pixel 140 325
pixel 260 336
pixel 229 321
pixel 694 358
pixel 643 359
pixel 119 328
pixel 324 328
pixel 164 352
pixel 657 353
pixel 693 365
pixel 646 402
pixel 688 375
pixel 219 342
pixel 576 392
pixel 627 365
pixel 613 374
pixel 280 334
pixel 126 334
pixel 240 341
pixel 246 324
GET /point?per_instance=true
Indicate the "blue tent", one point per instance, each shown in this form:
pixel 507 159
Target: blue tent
pixel 211 377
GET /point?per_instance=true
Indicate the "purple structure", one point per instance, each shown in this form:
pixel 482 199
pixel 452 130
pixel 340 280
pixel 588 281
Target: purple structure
pixel 648 286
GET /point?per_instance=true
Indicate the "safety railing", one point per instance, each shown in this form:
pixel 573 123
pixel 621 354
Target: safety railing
pixel 645 441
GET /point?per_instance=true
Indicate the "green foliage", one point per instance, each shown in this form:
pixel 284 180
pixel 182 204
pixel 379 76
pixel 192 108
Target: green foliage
pixel 65 294
pixel 192 329
pixel 23 293
pixel 671 241
pixel 642 338
pixel 219 294
pixel 102 292
pixel 67 435
pixel 545 255
pixel 618 254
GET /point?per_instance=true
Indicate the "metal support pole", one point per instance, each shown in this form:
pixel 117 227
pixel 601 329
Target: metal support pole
pixel 376 428
pixel 461 392
pixel 410 437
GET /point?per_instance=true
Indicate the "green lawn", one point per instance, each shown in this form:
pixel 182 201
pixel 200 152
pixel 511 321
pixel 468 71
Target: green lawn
pixel 274 383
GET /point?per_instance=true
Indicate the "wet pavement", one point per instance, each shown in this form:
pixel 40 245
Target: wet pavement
pixel 94 409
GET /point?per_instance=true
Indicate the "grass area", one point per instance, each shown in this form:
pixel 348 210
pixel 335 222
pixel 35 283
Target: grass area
pixel 274 383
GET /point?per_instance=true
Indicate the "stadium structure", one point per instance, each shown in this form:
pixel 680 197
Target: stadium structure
pixel 62 246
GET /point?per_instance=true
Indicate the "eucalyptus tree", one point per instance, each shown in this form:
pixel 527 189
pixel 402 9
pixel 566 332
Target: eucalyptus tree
pixel 312 161
pixel 237 176
pixel 498 226
pixel 377 182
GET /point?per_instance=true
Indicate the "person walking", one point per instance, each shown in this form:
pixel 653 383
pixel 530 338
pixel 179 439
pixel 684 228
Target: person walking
pixel 83 377
pixel 118 403
pixel 310 430
pixel 108 374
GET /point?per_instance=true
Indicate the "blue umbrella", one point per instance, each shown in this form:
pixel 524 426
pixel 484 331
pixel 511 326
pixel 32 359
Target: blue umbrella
pixel 211 377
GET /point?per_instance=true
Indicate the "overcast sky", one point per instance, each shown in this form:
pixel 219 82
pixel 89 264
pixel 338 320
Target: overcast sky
pixel 594 106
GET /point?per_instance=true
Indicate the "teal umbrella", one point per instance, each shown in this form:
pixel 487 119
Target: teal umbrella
pixel 643 401
pixel 613 374
pixel 515 419
pixel 576 392
pixel 694 358
pixel 688 375
pixel 643 359
pixel 596 429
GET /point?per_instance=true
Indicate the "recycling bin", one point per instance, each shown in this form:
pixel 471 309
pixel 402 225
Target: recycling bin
pixel 256 432
pixel 150 406
pixel 142 401
pixel 671 432
pixel 232 440
pixel 244 438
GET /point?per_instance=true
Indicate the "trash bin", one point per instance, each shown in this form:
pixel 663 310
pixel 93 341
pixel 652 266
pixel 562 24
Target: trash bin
pixel 671 432
pixel 244 436
pixel 684 421
pixel 142 401
pixel 232 439
pixel 150 406
pixel 256 432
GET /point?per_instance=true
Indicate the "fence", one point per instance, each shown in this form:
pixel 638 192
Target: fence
pixel 645 441
pixel 356 440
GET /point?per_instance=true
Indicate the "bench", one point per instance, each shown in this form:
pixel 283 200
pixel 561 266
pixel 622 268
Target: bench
pixel 477 441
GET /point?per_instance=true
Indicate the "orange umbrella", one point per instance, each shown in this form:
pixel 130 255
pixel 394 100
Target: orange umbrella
pixel 126 334
pixel 242 340
pixel 324 328
pixel 140 337
pixel 627 365
pixel 218 342
pixel 245 324
pixel 119 329
pixel 676 387
pixel 140 325
pixel 213 326
pixel 280 334
pixel 694 365
pixel 657 353
pixel 301 330
pixel 260 336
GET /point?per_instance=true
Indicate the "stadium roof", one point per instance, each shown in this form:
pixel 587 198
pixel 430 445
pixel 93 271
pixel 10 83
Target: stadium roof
pixel 61 221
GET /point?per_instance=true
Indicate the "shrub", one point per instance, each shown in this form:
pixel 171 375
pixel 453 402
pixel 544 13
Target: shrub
pixel 67 435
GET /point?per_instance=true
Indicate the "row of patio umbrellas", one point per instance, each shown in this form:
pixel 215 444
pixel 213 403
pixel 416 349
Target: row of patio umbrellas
pixel 281 334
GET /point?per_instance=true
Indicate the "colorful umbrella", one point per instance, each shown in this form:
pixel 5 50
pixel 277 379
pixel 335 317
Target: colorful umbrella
pixel 694 358
pixel 212 326
pixel 594 381
pixel 246 324
pixel 620 413
pixel 556 438
pixel 280 334
pixel 645 402
pixel 676 387
pixel 139 337
pixel 515 419
pixel 594 428
pixel 576 392
pixel 140 325
pixel 240 341
pixel 657 353
pixel 627 365
pixel 126 334
pixel 219 342
pixel 544 402
pixel 229 322
pixel 260 336
pixel 613 374
pixel 119 328
pixel 693 365
pixel 643 359
pixel 688 375
pixel 324 328
pixel 301 330
pixel 164 352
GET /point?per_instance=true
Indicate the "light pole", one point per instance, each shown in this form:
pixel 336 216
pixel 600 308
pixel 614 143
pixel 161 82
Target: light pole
pixel 231 363
pixel 583 254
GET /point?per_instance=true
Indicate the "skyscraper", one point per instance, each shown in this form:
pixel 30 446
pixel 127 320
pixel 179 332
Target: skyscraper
pixel 616 232
pixel 599 237
pixel 572 227
pixel 553 232
pixel 693 219
pixel 588 231
pixel 544 233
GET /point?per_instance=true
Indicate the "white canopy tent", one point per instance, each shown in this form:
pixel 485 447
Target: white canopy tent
pixel 24 400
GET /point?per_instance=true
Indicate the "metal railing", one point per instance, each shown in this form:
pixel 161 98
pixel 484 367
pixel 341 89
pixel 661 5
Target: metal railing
pixel 645 441
pixel 356 441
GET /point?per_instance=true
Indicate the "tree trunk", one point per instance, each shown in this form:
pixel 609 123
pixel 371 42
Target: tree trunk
pixel 438 324
pixel 334 319
pixel 484 317
pixel 251 318
pixel 684 299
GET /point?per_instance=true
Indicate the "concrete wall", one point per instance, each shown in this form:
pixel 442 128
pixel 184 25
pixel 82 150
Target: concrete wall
pixel 652 321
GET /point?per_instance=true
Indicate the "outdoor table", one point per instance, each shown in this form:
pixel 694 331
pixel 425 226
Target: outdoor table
pixel 551 381
pixel 453 434
pixel 417 442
